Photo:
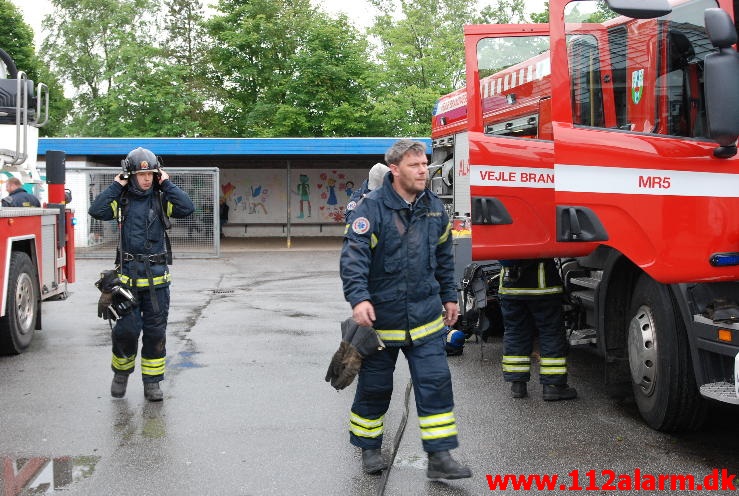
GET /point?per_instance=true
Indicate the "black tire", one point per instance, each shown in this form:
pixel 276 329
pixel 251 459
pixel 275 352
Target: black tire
pixel 22 306
pixel 659 360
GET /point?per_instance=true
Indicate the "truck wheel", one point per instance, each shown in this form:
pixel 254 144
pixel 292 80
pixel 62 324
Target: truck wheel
pixel 22 307
pixel 659 359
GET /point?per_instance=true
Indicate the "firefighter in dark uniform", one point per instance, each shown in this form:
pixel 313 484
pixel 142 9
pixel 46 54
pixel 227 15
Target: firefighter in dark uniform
pixel 17 196
pixel 142 199
pixel 530 294
pixel 373 181
pixel 397 271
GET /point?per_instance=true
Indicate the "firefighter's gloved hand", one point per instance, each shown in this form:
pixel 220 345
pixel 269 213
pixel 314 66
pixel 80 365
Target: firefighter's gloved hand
pixel 357 342
pixel 344 366
pixel 108 281
pixel 106 299
pixel 351 362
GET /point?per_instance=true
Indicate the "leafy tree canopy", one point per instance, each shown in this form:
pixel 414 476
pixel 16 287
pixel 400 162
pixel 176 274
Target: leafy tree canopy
pixel 17 40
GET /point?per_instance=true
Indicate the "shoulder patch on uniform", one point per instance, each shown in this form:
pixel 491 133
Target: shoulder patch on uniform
pixel 434 214
pixel 351 205
pixel 361 225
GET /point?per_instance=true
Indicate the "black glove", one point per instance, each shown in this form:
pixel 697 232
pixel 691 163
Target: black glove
pixel 344 366
pixel 108 280
pixel 106 299
pixel 357 342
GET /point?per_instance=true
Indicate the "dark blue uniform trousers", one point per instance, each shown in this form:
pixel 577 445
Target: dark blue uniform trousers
pixel 154 327
pixel 522 317
pixel 432 387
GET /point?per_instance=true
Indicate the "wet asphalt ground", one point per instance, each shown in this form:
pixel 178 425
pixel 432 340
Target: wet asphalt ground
pixel 246 410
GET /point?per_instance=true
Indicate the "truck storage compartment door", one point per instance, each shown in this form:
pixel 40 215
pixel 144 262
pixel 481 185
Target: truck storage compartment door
pixel 511 153
pixel 630 144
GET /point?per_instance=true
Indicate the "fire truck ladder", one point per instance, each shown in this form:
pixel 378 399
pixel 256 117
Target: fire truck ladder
pixel 16 106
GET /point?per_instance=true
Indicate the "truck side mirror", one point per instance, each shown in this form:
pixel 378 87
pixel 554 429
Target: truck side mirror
pixel 720 69
pixel 640 9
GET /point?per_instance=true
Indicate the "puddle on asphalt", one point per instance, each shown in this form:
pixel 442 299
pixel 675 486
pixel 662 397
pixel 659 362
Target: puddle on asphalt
pixel 418 462
pixel 43 475
pixel 185 360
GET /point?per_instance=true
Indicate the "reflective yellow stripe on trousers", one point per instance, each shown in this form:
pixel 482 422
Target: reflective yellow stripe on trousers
pixel 125 363
pixel 362 427
pixel 514 363
pixel 438 426
pixel 152 366
pixel 553 366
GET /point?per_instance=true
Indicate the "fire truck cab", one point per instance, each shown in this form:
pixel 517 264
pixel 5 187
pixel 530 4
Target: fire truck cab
pixel 606 139
pixel 36 244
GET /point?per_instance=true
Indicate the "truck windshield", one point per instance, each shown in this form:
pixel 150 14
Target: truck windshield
pixel 514 78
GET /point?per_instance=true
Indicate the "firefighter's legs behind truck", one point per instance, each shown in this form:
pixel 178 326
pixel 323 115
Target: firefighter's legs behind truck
pixel 522 318
pixel 125 338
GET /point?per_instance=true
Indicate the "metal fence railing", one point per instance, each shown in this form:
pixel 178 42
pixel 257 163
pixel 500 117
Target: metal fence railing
pixel 192 237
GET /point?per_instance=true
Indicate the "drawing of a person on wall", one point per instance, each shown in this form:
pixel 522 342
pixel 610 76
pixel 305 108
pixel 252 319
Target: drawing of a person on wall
pixel 304 192
pixel 349 188
pixel 331 192
pixel 258 196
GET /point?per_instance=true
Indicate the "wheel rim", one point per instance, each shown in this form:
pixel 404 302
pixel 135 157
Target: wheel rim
pixel 24 303
pixel 643 350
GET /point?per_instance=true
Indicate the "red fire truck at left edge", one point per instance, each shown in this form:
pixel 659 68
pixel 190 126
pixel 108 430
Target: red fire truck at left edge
pixel 36 244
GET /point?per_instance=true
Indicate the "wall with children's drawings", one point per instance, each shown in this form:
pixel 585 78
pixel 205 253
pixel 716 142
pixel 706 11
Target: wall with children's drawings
pixel 316 196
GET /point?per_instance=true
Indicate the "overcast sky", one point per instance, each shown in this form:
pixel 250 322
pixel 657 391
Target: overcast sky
pixel 357 10
pixel 360 11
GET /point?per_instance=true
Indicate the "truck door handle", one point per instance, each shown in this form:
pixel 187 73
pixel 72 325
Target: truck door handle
pixel 577 223
pixel 574 223
pixel 489 211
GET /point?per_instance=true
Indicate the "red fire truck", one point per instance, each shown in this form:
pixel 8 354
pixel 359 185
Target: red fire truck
pixel 606 139
pixel 36 244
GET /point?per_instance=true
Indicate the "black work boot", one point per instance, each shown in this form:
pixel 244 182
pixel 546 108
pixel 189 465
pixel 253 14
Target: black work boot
pixel 372 461
pixel 118 386
pixel 152 391
pixel 443 466
pixel 518 389
pixel 556 392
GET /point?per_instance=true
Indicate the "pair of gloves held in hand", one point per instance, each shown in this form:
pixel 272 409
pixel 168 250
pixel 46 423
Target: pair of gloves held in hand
pixel 357 342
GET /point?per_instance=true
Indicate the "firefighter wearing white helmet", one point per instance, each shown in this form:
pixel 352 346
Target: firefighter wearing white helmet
pixel 142 198
pixel 373 181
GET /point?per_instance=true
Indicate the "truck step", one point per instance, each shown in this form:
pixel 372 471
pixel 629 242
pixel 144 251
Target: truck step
pixel 720 391
pixel 702 319
pixel 583 297
pixel 586 282
pixel 582 336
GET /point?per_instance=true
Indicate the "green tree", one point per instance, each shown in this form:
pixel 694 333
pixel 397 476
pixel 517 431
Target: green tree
pixel 185 45
pixel 133 76
pixel 503 12
pixel 289 70
pixel 421 52
pixel 17 41
pixel 541 17
pixel 93 42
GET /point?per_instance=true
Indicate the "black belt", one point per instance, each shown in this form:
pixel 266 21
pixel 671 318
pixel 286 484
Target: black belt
pixel 148 260
pixel 158 258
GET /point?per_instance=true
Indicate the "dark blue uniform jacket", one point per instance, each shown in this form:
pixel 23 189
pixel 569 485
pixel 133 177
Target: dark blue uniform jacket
pixel 21 198
pixel 399 257
pixel 143 232
pixel 357 195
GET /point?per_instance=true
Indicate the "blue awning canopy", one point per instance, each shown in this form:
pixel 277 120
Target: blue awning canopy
pixel 223 146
